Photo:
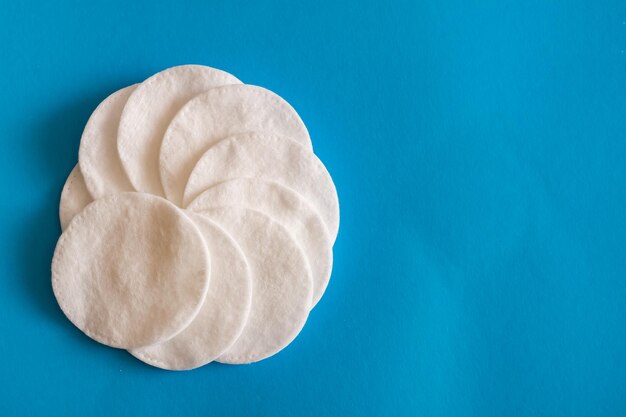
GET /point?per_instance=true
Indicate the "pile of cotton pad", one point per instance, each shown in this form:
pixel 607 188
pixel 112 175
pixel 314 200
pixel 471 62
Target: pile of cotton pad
pixel 198 225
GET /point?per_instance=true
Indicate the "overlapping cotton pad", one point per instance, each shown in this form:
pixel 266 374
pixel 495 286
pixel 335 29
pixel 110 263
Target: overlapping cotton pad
pixel 286 207
pixel 198 224
pixel 74 197
pixel 149 110
pixel 282 284
pixel 131 270
pixel 223 314
pixel 271 158
pixel 215 115
pixel 97 156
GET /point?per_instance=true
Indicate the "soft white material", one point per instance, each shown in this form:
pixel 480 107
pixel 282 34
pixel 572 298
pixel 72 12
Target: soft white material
pixel 148 112
pixel 98 158
pixel 289 209
pixel 270 158
pixel 131 270
pixel 74 197
pixel 281 287
pixel 223 314
pixel 215 115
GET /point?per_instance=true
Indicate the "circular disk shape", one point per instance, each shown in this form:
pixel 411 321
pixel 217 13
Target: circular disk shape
pixel 271 158
pixel 131 270
pixel 223 314
pixel 98 158
pixel 281 284
pixel 149 110
pixel 215 115
pixel 287 208
pixel 74 197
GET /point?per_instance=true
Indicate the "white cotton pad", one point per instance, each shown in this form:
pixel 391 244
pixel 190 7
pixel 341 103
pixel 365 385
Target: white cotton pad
pixel 271 158
pixel 223 314
pixel 281 284
pixel 74 197
pixel 286 207
pixel 131 270
pixel 148 112
pixel 215 115
pixel 98 158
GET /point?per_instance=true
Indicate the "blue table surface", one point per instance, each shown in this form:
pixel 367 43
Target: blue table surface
pixel 479 152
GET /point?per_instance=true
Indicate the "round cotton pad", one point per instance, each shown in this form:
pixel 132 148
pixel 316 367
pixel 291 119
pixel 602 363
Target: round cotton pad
pixel 270 158
pixel 215 115
pixel 286 207
pixel 149 110
pixel 131 270
pixel 281 286
pixel 223 314
pixel 74 197
pixel 98 158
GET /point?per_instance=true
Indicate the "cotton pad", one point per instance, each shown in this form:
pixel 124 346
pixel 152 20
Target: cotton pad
pixel 223 314
pixel 131 270
pixel 149 110
pixel 215 115
pixel 272 158
pixel 74 197
pixel 98 158
pixel 286 207
pixel 281 286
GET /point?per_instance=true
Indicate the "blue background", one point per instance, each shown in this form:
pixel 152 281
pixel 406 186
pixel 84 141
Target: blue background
pixel 479 151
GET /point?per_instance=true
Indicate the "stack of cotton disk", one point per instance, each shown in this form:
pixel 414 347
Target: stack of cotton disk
pixel 198 223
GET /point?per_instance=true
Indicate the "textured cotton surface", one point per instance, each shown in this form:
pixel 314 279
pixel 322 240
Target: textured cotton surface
pixel 282 283
pixel 223 314
pixel 286 207
pixel 74 197
pixel 148 112
pixel 215 115
pixel 270 158
pixel 131 270
pixel 98 157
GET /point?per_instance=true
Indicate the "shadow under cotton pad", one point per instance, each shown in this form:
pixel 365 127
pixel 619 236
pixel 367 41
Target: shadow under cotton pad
pixel 286 207
pixel 271 158
pixel 74 197
pixel 223 314
pixel 98 158
pixel 148 112
pixel 215 115
pixel 131 270
pixel 281 284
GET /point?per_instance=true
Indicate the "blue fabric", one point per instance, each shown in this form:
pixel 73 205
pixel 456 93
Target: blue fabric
pixel 479 152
